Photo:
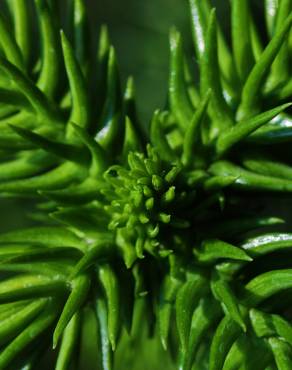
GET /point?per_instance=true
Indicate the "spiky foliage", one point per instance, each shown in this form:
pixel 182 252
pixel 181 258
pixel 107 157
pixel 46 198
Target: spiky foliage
pixel 247 82
pixel 136 230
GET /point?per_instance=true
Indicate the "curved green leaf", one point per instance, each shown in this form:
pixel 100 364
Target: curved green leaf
pixel 210 79
pixel 79 289
pixel 241 37
pixel 69 342
pixel 110 284
pixel 268 243
pixel 29 334
pixel 251 90
pixel 213 249
pixel 178 97
pixel 51 52
pixel 80 112
pixel 267 325
pixel 225 335
pixel 186 300
pixel 224 294
pixel 282 353
pixel 244 128
pixel 192 137
pixel 265 285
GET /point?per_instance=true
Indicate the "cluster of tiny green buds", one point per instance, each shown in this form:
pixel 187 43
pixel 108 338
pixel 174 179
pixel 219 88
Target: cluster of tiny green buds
pixel 145 204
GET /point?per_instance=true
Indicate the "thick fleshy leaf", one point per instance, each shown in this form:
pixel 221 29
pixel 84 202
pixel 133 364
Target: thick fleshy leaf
pixel 192 138
pixel 199 11
pixel 268 243
pixel 110 284
pixel 267 166
pixel 179 101
pixel 59 269
pixel 225 335
pixel 267 325
pixel 199 19
pixel 250 180
pixel 82 193
pixel 27 286
pixel 267 284
pixel 112 121
pixel 80 112
pixel 79 289
pixel 57 178
pixel 9 309
pixel 132 141
pixel 204 317
pixel 92 255
pixel 33 163
pixel 9 45
pixel 282 352
pixel 38 101
pixel 81 35
pixel 98 155
pixel 48 236
pixel 88 350
pixel 158 137
pixel 246 352
pixel 29 334
pixel 213 249
pixel 16 322
pixel 251 90
pixel 51 51
pixel 105 346
pixel 22 27
pixel 280 69
pixel 186 300
pixel 210 79
pixel 241 37
pixel 63 150
pixel 217 183
pixel 21 254
pixel 245 127
pixel 224 294
pixel 271 13
pixel 131 111
pixel 83 222
pixel 69 343
pixel 14 99
pixel 166 307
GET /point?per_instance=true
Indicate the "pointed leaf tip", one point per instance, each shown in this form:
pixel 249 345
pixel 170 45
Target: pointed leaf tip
pixel 246 127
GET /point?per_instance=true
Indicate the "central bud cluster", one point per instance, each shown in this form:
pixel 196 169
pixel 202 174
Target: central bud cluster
pixel 145 204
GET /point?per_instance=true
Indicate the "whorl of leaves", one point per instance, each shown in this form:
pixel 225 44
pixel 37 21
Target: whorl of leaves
pixel 138 229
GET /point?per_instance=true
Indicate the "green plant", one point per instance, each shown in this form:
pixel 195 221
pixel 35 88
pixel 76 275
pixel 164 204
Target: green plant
pixel 135 229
